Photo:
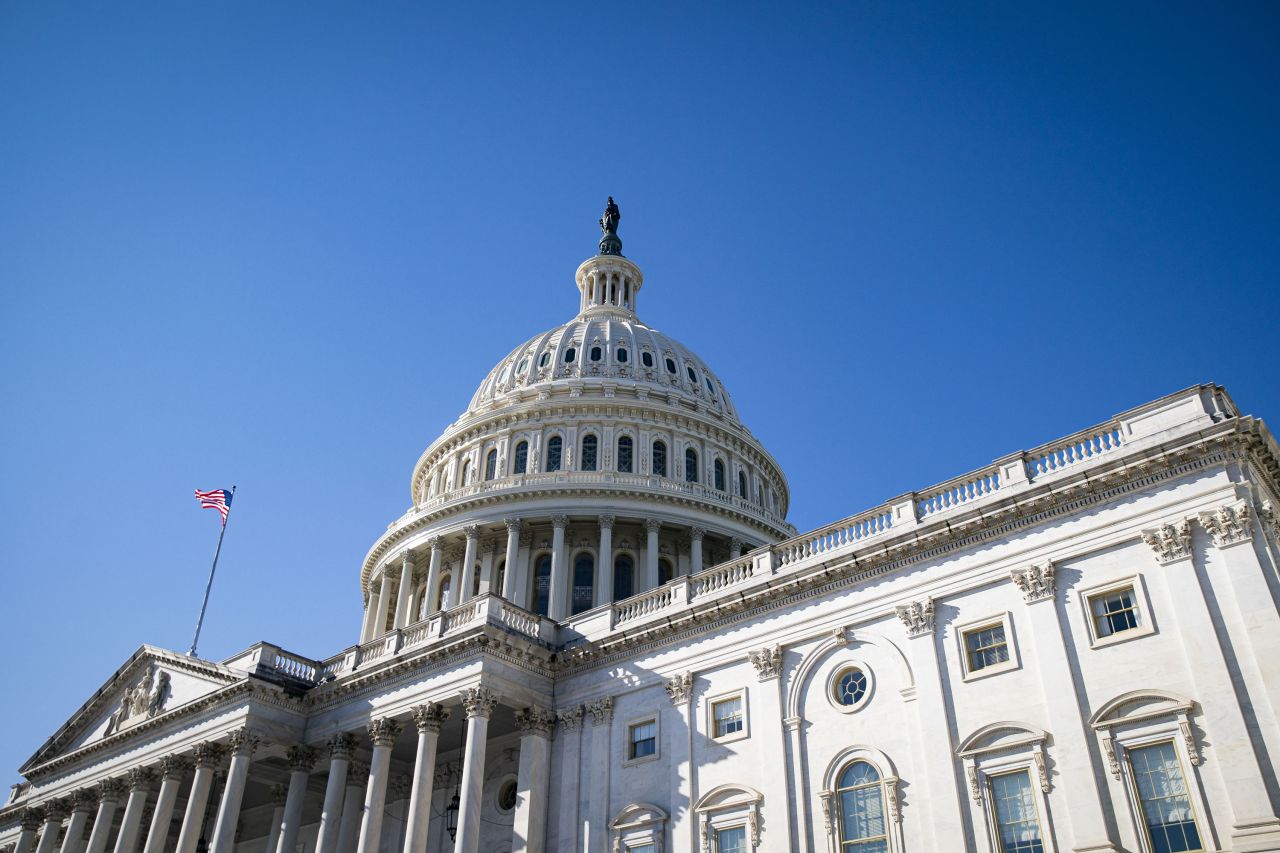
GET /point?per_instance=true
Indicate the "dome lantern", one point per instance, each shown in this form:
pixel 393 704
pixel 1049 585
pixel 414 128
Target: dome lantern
pixel 608 283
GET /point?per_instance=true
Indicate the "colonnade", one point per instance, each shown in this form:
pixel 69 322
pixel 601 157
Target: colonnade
pixel 479 562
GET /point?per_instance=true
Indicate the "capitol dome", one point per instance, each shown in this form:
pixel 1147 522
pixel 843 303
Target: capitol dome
pixel 596 461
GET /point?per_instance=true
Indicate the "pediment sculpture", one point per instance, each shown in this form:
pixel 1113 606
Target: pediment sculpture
pixel 142 700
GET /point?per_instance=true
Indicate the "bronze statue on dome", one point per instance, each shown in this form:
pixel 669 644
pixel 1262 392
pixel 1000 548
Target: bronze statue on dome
pixel 609 222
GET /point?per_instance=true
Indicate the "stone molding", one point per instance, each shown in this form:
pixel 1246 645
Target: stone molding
pixel 479 701
pixel 429 717
pixel 767 661
pixel 174 767
pixel 917 616
pixel 301 758
pixel 601 711
pixel 536 721
pixel 384 731
pixel 30 818
pixel 1228 524
pixel 1036 582
pixel 680 688
pixel 1171 541
pixel 570 718
pixel 341 746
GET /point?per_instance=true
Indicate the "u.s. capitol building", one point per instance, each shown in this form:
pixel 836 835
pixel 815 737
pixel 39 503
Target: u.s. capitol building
pixel 595 631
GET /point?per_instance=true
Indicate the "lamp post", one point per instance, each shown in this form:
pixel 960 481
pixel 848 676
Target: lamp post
pixel 451 817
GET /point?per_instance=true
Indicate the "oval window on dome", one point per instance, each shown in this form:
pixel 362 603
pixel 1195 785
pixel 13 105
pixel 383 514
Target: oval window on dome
pixel 544 359
pixel 622 355
pixel 522 367
pixel 596 353
pixel 693 377
pixel 711 386
pixel 671 365
pixel 646 358
pixel 570 354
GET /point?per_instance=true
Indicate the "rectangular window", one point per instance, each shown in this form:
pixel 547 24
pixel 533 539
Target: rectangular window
pixel 1166 809
pixel 644 739
pixel 986 646
pixel 732 840
pixel 640 848
pixel 726 716
pixel 1114 611
pixel 1017 820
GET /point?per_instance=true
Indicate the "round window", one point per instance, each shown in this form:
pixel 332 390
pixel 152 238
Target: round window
pixel 507 796
pixel 850 688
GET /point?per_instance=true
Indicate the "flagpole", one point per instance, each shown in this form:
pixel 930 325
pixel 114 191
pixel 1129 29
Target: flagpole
pixel 200 621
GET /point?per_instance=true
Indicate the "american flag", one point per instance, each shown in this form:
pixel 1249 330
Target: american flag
pixel 219 499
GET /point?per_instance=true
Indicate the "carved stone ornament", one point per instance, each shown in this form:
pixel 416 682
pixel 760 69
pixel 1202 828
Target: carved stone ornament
pixel 1228 524
pixel 680 688
pixel 601 711
pixel 301 758
pixel 975 789
pixel 472 531
pixel 435 542
pixel 479 701
pixel 357 773
pixel 140 778
pixel 839 637
pixel 536 721
pixel 56 811
pixel 84 800
pixel 1113 763
pixel 30 818
pixel 342 745
pixel 279 793
pixel 559 521
pixel 606 522
pixel 653 525
pixel 174 767
pixel 110 790
pixel 143 699
pixel 243 742
pixel 429 717
pixel 696 534
pixel 1170 542
pixel 571 718
pixel 513 524
pixel 1189 739
pixel 1270 518
pixel 208 754
pixel 917 616
pixel 526 538
pixel 1036 582
pixel 1041 770
pixel 384 731
pixel 767 661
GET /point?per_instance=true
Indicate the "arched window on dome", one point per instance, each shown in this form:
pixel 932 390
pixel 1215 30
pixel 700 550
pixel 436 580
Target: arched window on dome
pixel 522 458
pixel 544 359
pixel 646 358
pixel 660 459
pixel 584 583
pixel 491 464
pixel 626 293
pixel 596 353
pixel 690 465
pixel 666 571
pixel 442 596
pixel 590 452
pixel 742 484
pixel 624 577
pixel 861 808
pixel 625 455
pixel 719 476
pixel 622 355
pixel 542 585
pixel 466 473
pixel 555 452
pixel 570 354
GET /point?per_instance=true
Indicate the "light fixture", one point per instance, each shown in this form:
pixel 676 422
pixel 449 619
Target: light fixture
pixel 451 817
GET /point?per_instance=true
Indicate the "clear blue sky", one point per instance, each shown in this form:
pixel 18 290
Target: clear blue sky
pixel 278 245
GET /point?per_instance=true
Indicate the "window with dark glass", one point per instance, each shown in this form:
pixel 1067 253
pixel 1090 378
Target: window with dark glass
pixel 711 386
pixel 690 465
pixel 665 571
pixel 742 484
pixel 466 473
pixel 1166 808
pixel 491 465
pixel 570 354
pixel 671 366
pixel 475 579
pixel 555 452
pixel 590 450
pixel 542 585
pixel 644 739
pixel 659 459
pixel 584 582
pixel 522 457
pixel 693 377
pixel 442 598
pixel 625 464
pixel 646 358
pixel 624 574
pixel 719 475
pixel 500 579
pixel 622 355
pixel 596 353
pixel 544 359
pixel 1017 818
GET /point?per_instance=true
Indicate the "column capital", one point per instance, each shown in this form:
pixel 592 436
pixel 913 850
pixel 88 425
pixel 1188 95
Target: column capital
pixel 174 767
pixel 56 811
pixel 601 711
pixel 301 758
pixel 653 525
pixel 479 701
pixel 513 524
pixel 30 818
pixel 435 542
pixel 917 616
pixel 560 521
pixel 606 521
pixel 140 778
pixel 84 800
pixel 472 531
pixel 342 745
pixel 767 661
pixel 526 538
pixel 570 718
pixel 357 772
pixel 1170 542
pixel 279 793
pixel 680 688
pixel 208 754
pixel 489 545
pixel 735 542
pixel 406 558
pixel 244 742
pixel 537 721
pixel 1036 582
pixel 110 790
pixel 1270 517
pixel 429 717
pixel 697 533
pixel 384 731
pixel 1228 524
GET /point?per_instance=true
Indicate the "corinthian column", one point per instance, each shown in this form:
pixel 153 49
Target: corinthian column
pixel 172 769
pixel 406 589
pixel 513 551
pixel 82 802
pixel 479 702
pixel 352 803
pixel 468 580
pixel 341 746
pixel 29 819
pixel 242 745
pixel 383 733
pixel 652 525
pixel 695 549
pixel 109 793
pixel 207 757
pixel 529 834
pixel 54 814
pixel 301 760
pixel 559 572
pixel 433 573
pixel 429 718
pixel 140 781
pixel 604 589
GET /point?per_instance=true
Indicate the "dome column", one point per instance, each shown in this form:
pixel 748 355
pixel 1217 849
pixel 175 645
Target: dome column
pixel 695 549
pixel 604 588
pixel 406 590
pixel 652 525
pixel 479 703
pixel 513 551
pixel 433 573
pixel 468 580
pixel 559 574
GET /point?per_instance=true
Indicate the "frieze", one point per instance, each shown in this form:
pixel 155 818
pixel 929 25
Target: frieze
pixel 142 700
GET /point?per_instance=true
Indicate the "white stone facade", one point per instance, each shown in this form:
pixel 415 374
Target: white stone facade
pixel 606 654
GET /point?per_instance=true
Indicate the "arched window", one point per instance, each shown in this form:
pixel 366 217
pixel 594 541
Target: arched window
pixel 625 464
pixel 671 365
pixel 690 465
pixel 622 355
pixel 555 450
pixel 522 457
pixel 544 359
pixel 861 809
pixel 660 459
pixel 570 354
pixel 491 465
pixel 624 577
pixel 466 472
pixel 542 585
pixel 584 583
pixel 665 571
pixel 596 354
pixel 442 598
pixel 420 598
pixel 500 579
pixel 742 484
pixel 719 473
pixel 693 377
pixel 590 446
pixel 646 358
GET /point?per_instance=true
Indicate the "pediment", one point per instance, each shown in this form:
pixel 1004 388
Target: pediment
pixel 150 684
pixel 1138 705
pixel 1001 736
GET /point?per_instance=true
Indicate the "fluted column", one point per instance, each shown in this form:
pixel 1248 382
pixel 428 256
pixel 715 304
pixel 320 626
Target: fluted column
pixel 301 760
pixel 468 574
pixel 55 813
pixel 479 703
pixel 352 804
pixel 279 794
pixel 29 819
pixel 604 587
pixel 371 609
pixel 652 525
pixel 529 833
pixel 207 757
pixel 140 781
pixel 172 769
pixel 406 589
pixel 82 803
pixel 341 746
pixel 383 733
pixel 556 606
pixel 696 535
pixel 110 791
pixel 385 603
pixel 513 553
pixel 597 817
pixel 428 718
pixel 433 573
pixel 242 744
pixel 684 788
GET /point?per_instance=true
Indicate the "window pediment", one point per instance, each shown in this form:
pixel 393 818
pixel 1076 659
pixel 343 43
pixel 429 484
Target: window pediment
pixel 1139 705
pixel 997 737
